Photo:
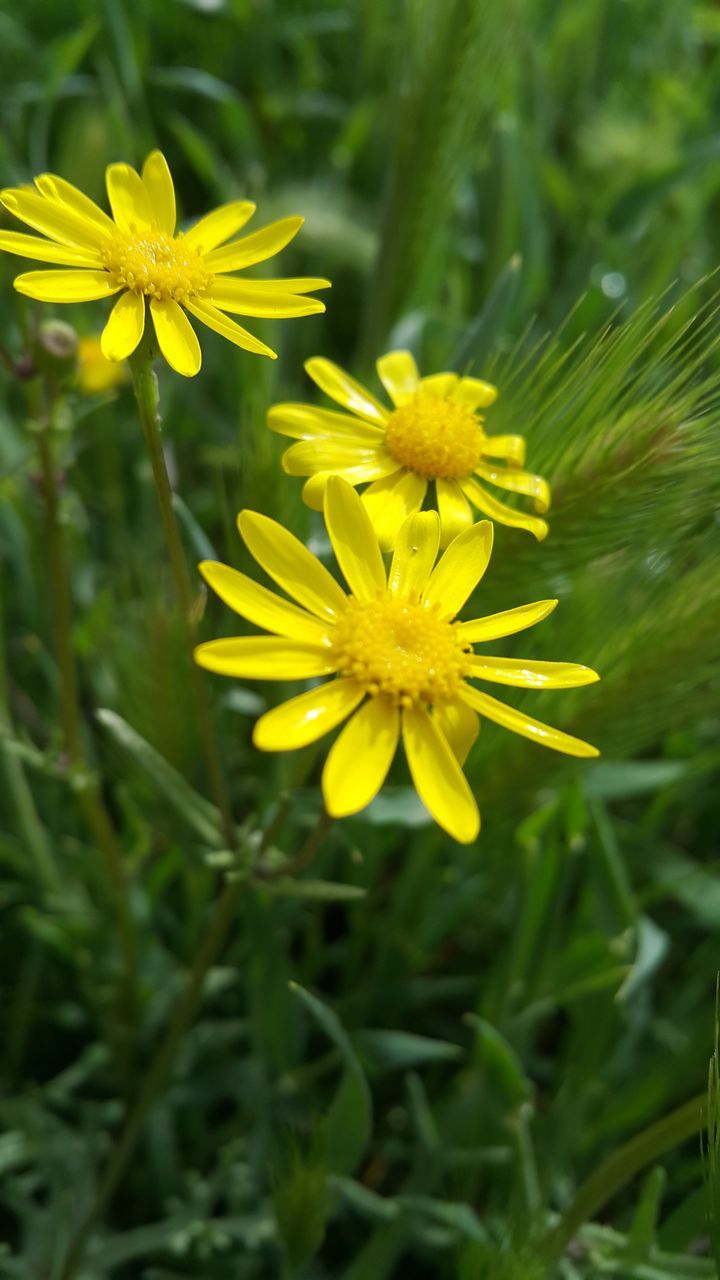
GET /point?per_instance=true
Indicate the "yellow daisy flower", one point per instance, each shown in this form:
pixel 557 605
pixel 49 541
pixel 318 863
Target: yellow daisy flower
pixel 401 662
pixel 138 254
pixel 95 372
pixel 433 432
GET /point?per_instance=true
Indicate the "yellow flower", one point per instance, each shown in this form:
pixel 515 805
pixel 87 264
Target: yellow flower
pixel 401 661
pixel 433 432
pixel 138 254
pixel 95 372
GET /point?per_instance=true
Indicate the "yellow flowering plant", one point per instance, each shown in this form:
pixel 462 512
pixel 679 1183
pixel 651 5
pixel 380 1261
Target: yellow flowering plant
pixel 401 661
pixel 432 433
pixel 139 253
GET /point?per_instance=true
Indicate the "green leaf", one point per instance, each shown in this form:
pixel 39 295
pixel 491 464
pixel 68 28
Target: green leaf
pixel 390 1050
pixel 500 1061
pixel 621 780
pixel 315 890
pixel 203 817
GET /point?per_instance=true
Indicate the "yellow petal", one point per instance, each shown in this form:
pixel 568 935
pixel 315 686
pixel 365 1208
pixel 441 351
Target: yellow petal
pixel 314 489
pixel 507 623
pixel 475 393
pixel 124 328
pixel 454 508
pixel 399 375
pixel 55 220
pixel 459 570
pixel 305 422
pixel 240 298
pixel 64 193
pixel 460 725
pixel 391 500
pixel 415 550
pixel 529 674
pixel 158 183
pixel 255 248
pixel 353 540
pixel 509 448
pixel 308 717
pixel 519 722
pixel 45 251
pixel 65 286
pixel 220 323
pixel 176 337
pixel 518 482
pixel 128 198
pixel 218 226
pixel 308 456
pixel 291 565
pixel 345 390
pixel 265 658
pixel 261 606
pixel 359 759
pixel 439 384
pixel 490 506
pixel 438 778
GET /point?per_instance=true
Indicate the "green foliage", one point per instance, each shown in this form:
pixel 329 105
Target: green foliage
pixel 407 1059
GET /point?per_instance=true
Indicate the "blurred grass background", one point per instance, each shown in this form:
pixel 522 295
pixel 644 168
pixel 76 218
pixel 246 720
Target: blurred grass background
pixel 528 190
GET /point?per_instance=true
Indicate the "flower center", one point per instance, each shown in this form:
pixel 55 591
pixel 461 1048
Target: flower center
pixel 161 266
pixel 435 436
pixel 401 650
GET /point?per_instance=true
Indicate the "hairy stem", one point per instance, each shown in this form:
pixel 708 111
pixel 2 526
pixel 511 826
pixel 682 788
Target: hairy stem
pixel 146 394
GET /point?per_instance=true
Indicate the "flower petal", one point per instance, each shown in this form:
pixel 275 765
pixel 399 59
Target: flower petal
pixel 258 247
pixel 519 722
pixel 354 542
pixel 460 725
pixel 305 422
pixel 128 198
pixel 529 674
pixel 263 607
pixel 507 623
pixel 503 514
pixel 454 508
pixel 64 193
pixel 308 456
pixel 240 298
pixel 218 226
pixel 291 565
pixel 518 482
pixel 158 183
pixel 439 384
pixel 220 323
pixel 45 251
pixel 264 658
pixel 509 448
pixel 399 375
pixel 176 337
pixel 345 390
pixel 65 286
pixel 439 780
pixel 308 717
pixel 55 220
pixel 314 489
pixel 459 570
pixel 359 759
pixel 391 500
pixel 125 327
pixel 474 393
pixel 414 556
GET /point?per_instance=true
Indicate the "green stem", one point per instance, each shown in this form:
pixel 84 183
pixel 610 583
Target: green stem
pixel 620 1167
pixel 303 859
pixel 148 402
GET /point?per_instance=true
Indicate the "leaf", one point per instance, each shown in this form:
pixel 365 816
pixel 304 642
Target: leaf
pixel 449 1213
pixel 348 1120
pixel 483 331
pixel 500 1061
pixel 621 780
pixel 315 890
pixel 202 816
pixel 390 1050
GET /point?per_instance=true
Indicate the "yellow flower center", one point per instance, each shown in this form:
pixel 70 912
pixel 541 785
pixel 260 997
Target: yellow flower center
pixel 435 436
pixel 403 651
pixel 158 265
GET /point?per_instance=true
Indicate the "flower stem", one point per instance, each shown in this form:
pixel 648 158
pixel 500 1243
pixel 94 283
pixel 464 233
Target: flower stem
pixel 146 394
pixel 620 1167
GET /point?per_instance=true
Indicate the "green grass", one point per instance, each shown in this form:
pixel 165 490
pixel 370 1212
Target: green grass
pixel 410 1058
